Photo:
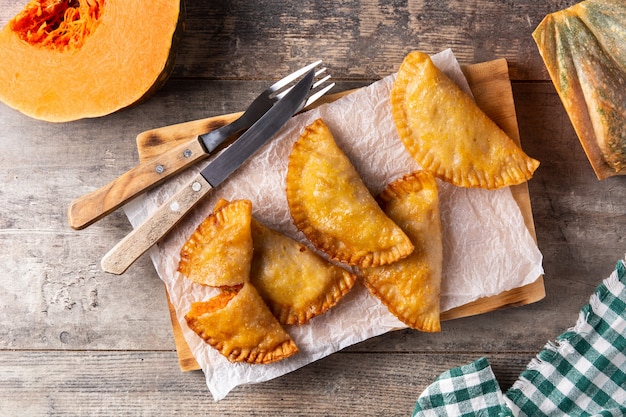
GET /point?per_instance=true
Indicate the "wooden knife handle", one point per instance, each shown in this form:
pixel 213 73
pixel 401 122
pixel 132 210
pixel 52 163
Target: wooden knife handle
pixel 137 242
pixel 91 207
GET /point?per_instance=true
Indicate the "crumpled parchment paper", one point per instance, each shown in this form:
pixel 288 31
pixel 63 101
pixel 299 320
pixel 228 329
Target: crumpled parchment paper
pixel 487 247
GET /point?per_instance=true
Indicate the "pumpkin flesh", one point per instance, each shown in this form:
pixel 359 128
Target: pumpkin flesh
pixel 67 60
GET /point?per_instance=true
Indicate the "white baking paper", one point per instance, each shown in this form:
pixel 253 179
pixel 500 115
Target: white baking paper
pixel 487 248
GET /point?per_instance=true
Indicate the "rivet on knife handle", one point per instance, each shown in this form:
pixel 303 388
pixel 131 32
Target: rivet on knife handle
pixel 137 242
pixel 91 207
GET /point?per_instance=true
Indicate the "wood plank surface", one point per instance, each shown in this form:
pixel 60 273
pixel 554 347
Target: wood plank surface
pixel 149 383
pixel 75 341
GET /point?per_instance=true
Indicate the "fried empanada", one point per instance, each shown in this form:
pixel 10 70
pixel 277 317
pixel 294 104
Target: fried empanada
pixel 410 287
pixel 446 132
pixel 296 283
pixel 241 327
pixel 333 208
pixel 219 252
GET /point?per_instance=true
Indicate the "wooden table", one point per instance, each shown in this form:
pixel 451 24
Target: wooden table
pixel 77 341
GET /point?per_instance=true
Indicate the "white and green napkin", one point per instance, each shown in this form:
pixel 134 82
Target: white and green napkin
pixel 582 373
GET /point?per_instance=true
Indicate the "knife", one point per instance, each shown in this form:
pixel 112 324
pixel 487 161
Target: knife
pixel 137 242
pixel 91 207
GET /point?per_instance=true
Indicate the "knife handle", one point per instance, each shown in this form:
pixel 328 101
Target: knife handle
pixel 137 242
pixel 91 207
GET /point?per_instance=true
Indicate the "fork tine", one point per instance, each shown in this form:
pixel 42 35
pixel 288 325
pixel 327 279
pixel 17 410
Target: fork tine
pixel 320 71
pixel 320 82
pixel 313 98
pixel 292 77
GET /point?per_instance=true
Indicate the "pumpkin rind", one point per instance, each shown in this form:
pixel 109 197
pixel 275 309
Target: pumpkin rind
pixel 584 49
pixel 126 57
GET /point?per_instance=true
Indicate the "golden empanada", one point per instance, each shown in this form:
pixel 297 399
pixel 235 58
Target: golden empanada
pixel 410 287
pixel 219 252
pixel 333 208
pixel 295 282
pixel 448 134
pixel 241 327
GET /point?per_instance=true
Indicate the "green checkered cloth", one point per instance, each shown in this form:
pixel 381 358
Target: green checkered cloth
pixel 466 391
pixel 581 374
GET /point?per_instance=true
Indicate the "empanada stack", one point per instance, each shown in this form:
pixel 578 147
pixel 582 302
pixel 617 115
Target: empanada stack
pixel 265 278
pixel 411 287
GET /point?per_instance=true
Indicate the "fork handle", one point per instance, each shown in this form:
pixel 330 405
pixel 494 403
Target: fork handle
pixel 91 207
pixel 147 234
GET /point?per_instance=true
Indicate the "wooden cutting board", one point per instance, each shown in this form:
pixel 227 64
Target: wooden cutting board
pixel 491 87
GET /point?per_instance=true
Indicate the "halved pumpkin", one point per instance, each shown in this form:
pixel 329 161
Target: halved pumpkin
pixel 63 60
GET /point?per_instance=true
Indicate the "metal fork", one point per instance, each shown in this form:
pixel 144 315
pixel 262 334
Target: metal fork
pixel 91 207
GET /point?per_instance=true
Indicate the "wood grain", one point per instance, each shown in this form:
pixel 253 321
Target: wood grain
pixel 363 40
pixel 148 383
pixel 76 341
pixel 154 142
pixel 91 207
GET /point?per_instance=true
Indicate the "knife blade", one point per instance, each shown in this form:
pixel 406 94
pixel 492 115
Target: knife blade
pixel 137 242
